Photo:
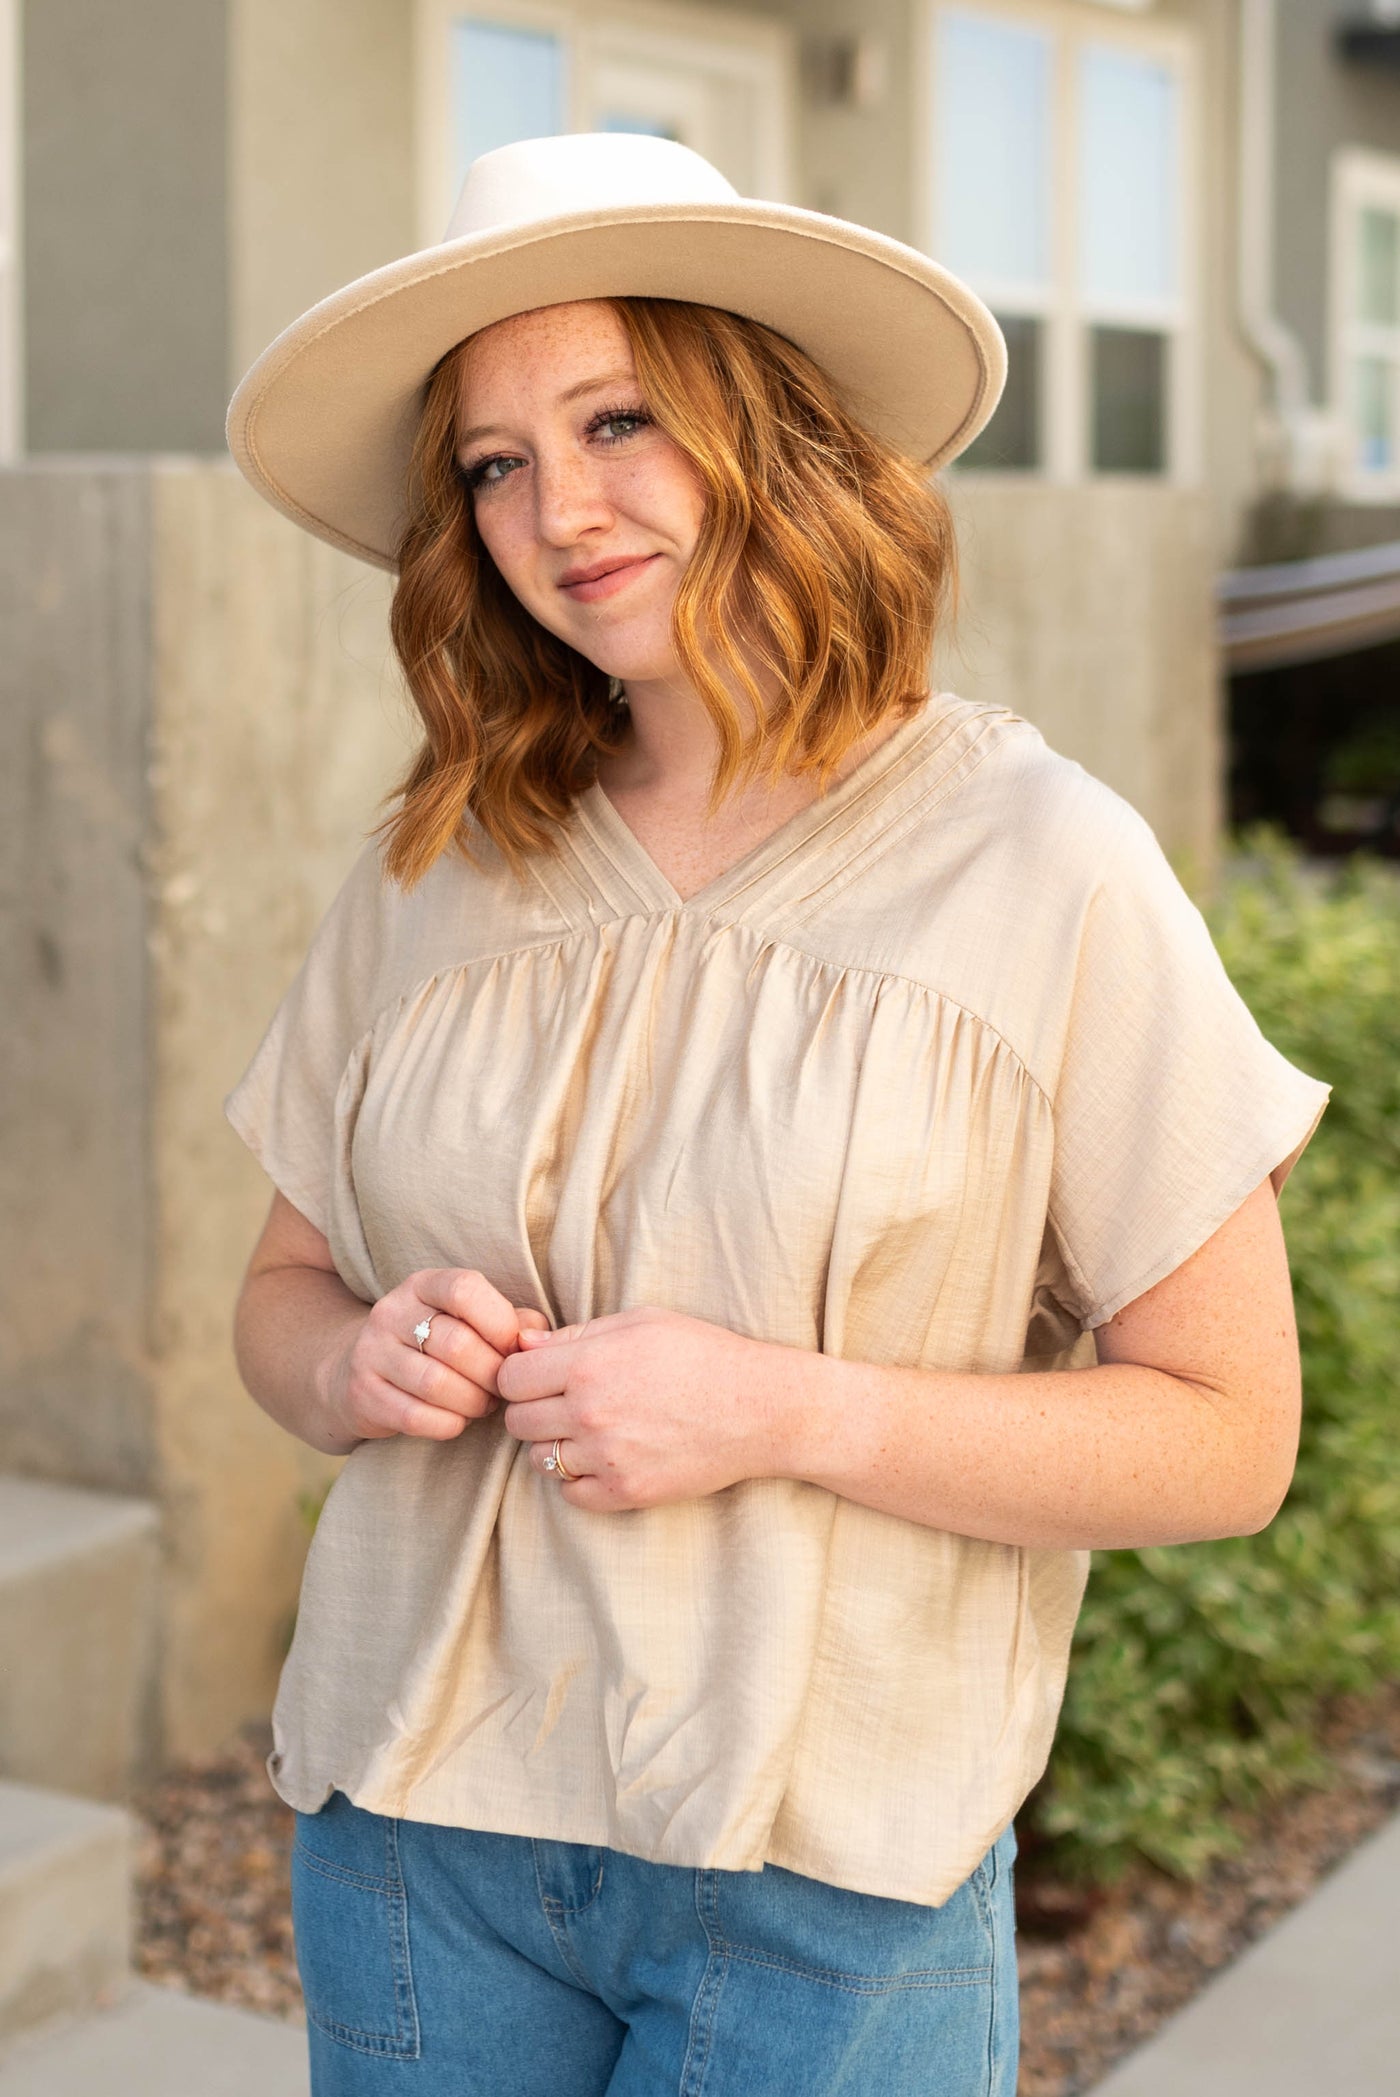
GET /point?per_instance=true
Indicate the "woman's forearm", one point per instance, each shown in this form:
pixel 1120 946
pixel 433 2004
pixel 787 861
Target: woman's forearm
pixel 1097 1459
pixel 291 1325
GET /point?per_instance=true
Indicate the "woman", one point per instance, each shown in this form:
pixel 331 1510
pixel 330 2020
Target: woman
pixel 770 1173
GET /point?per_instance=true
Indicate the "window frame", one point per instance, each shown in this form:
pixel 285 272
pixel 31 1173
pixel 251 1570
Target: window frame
pixel 1065 407
pixel 758 52
pixel 1360 179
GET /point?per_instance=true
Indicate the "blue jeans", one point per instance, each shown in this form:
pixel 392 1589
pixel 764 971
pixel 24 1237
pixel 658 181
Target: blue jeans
pixel 446 1963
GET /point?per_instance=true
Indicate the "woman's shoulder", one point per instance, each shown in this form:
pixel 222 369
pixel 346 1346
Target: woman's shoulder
pixel 1029 802
pixel 1000 831
pixel 992 889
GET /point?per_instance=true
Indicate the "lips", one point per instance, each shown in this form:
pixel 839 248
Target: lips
pixel 604 578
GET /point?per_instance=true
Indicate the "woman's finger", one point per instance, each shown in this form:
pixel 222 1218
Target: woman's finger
pixel 539 1420
pixel 534 1372
pixel 531 1320
pixel 588 1493
pixel 550 1335
pixel 383 1409
pixel 573 1454
pixel 460 1347
pixel 434 1382
pixel 468 1295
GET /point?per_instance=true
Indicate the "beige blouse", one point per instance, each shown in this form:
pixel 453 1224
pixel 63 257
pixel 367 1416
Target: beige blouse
pixel 943 1073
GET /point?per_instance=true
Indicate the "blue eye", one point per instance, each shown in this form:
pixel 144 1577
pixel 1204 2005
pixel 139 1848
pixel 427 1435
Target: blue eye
pixel 616 425
pixel 483 475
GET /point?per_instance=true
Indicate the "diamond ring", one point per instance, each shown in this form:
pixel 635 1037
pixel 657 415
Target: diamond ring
pixel 422 1329
pixel 555 1462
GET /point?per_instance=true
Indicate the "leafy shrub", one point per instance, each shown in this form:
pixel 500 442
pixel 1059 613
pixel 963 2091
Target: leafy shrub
pixel 1200 1671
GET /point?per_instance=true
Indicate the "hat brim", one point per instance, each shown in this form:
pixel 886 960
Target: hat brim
pixel 323 424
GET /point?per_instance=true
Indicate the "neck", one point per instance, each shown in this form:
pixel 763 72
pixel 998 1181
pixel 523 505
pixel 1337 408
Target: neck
pixel 670 750
pixel 671 746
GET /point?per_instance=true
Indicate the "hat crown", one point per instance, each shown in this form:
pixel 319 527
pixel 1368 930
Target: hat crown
pixel 541 178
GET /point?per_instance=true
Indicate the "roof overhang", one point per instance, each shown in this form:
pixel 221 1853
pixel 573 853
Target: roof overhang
pixel 1370 43
pixel 1305 611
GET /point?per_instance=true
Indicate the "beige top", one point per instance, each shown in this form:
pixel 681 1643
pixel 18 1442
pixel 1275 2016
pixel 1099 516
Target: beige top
pixel 942 1073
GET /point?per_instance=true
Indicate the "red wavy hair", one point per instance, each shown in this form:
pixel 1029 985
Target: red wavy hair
pixel 823 566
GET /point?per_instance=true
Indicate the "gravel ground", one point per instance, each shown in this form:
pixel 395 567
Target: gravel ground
pixel 1098 1972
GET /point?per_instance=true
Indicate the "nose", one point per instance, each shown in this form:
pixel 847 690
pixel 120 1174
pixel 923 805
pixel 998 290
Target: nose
pixel 569 495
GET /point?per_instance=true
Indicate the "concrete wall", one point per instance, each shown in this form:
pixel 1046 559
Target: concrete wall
pixel 275 730
pixel 75 1192
pixel 1089 611
pixel 321 154
pixel 124 228
pixel 199 727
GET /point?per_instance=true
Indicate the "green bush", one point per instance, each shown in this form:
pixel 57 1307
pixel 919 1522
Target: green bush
pixel 1200 1671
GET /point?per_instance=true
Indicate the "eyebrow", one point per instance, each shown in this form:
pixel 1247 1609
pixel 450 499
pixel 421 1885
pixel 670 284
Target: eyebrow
pixel 594 384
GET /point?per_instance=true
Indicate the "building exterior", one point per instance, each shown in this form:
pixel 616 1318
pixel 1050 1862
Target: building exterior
pixel 202 697
pixel 1311 626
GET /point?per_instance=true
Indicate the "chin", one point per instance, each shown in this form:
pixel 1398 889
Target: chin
pixel 639 665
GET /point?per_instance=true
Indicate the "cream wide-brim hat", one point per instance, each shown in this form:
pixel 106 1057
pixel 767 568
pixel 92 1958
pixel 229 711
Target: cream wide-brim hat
pixel 324 422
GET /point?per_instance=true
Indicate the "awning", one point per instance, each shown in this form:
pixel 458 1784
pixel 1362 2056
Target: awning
pixel 1370 43
pixel 1304 611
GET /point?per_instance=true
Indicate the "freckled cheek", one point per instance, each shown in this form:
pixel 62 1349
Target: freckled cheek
pixel 671 505
pixel 515 554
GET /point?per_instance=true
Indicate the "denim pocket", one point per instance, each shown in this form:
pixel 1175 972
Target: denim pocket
pixel 350 1918
pixel 860 1942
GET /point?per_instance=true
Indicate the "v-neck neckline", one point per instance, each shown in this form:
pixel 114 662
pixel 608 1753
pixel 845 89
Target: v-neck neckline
pixel 600 823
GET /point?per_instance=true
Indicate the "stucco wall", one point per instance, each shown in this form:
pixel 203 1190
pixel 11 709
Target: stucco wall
pixel 124 224
pixel 855 163
pixel 1089 611
pixel 320 154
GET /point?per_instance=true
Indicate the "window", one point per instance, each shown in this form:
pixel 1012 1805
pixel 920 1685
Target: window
pixel 1366 320
pixel 493 71
pixel 1058 179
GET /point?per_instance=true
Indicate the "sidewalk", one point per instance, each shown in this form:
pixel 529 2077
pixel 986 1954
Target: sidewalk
pixel 158 2043
pixel 1311 2010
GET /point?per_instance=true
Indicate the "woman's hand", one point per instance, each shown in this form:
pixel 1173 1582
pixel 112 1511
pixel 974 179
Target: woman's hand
pixel 648 1406
pixel 378 1382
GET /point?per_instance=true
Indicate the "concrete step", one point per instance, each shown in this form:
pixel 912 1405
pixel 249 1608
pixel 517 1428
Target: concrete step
pixel 157 2043
pixel 65 1905
pixel 1311 2010
pixel 77 1637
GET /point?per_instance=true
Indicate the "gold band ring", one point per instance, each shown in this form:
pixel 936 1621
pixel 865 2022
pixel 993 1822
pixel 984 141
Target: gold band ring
pixel 555 1462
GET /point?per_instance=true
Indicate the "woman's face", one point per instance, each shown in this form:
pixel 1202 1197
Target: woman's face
pixel 589 512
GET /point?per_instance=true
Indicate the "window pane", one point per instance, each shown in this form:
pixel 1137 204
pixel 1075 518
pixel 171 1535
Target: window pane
pixel 1375 414
pixel 1012 437
pixel 645 127
pixel 1379 272
pixel 992 136
pixel 1129 161
pixel 1130 400
pixel 507 84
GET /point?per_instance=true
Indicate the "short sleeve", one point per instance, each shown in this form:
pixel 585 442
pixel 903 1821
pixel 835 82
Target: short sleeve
pixel 284 1105
pixel 1170 1106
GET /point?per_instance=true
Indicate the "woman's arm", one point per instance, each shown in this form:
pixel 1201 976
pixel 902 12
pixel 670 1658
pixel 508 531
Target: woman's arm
pixel 1187 1427
pixel 335 1371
